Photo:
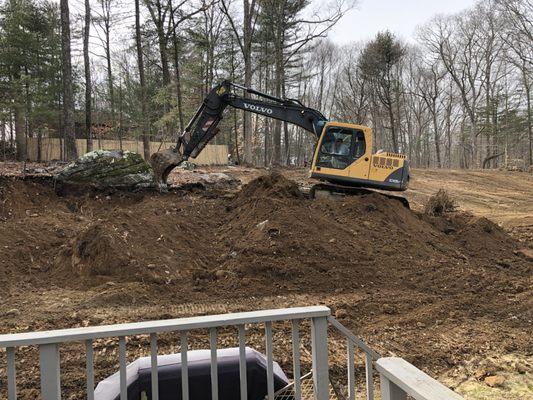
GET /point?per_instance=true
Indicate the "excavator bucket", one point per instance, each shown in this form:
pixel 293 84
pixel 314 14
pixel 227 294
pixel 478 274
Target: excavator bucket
pixel 163 162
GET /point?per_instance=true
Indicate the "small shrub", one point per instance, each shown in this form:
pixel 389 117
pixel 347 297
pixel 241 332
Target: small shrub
pixel 440 203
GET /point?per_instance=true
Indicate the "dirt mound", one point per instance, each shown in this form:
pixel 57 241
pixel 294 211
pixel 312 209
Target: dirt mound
pixel 268 236
pixel 99 251
pixel 290 242
pixel 481 236
pixel 272 185
pixel 24 197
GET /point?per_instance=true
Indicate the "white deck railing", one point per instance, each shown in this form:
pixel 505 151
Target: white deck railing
pixel 400 379
pixel 48 343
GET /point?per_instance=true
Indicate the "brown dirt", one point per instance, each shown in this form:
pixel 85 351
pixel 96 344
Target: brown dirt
pixel 435 290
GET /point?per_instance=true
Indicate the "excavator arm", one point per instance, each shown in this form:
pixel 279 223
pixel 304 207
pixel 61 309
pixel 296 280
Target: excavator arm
pixel 203 125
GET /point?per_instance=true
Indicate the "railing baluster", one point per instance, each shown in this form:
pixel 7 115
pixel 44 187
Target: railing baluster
pixel 122 368
pixel 390 391
pixel 369 377
pixel 11 374
pixel 89 366
pixel 270 360
pixel 319 340
pixel 184 366
pixel 351 370
pixel 154 367
pixel 242 363
pixel 296 358
pixel 214 365
pixel 50 371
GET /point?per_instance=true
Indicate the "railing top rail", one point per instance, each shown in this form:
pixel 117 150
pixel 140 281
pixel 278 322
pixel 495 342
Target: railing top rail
pixel 358 342
pixel 147 327
pixel 412 381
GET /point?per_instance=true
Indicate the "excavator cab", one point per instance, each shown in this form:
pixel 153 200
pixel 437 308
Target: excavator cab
pixel 344 156
pixel 340 147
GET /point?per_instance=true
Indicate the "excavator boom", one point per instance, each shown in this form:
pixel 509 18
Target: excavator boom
pixel 203 125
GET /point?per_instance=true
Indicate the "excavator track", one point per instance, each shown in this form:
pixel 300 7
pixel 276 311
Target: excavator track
pixel 329 190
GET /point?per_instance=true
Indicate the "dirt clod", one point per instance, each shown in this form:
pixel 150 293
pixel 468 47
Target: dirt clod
pixel 495 381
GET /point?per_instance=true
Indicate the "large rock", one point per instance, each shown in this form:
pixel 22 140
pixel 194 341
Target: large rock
pixel 103 169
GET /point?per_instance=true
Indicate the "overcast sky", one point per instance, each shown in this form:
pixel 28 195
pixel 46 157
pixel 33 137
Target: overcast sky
pixel 399 16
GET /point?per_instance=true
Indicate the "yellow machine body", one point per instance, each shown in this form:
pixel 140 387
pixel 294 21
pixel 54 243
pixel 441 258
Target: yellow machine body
pixel 343 156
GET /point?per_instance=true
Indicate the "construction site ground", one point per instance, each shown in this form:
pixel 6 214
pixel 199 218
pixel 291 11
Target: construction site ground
pixel 451 294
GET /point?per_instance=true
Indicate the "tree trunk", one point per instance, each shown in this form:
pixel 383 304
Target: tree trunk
pixel 278 82
pixel 11 132
pixel 267 132
pixel 527 86
pixel 276 152
pixel 436 135
pixel 145 123
pixel 392 127
pixel 68 103
pixel 3 141
pixel 390 110
pixel 489 158
pixel 109 69
pixel 27 125
pixel 178 77
pixel 286 138
pixel 162 39
pixel 20 136
pixel 247 44
pixel 39 146
pixel 119 130
pixel 178 86
pixel 87 67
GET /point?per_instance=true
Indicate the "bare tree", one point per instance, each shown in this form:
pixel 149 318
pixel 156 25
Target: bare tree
pixel 518 36
pixel 105 20
pixel 429 89
pixel 145 121
pixel 455 42
pixel 68 103
pixel 250 11
pixel 88 83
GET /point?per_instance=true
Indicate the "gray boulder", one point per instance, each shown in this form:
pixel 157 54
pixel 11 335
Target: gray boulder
pixel 103 169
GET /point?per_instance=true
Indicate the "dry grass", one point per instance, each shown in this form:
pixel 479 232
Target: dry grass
pixel 440 203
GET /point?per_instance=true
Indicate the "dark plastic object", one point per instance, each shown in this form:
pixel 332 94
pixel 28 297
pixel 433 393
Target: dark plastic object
pixel 199 368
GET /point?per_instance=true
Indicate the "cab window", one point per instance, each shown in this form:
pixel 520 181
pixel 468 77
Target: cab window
pixel 341 147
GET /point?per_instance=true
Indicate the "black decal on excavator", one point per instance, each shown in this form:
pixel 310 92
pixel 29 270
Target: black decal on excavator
pixel 400 176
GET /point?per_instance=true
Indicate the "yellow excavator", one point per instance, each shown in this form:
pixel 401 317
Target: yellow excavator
pixel 342 160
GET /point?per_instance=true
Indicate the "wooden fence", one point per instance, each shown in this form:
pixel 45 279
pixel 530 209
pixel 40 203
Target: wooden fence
pixel 212 154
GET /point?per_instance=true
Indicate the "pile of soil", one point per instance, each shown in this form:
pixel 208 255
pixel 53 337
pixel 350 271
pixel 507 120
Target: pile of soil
pixel 409 283
pixel 98 251
pixel 269 233
pixel 273 185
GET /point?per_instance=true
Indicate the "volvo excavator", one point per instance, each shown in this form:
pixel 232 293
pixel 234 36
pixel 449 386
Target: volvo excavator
pixel 343 161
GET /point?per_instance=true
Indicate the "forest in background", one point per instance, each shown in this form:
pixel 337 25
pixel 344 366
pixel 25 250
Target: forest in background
pixel 460 97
